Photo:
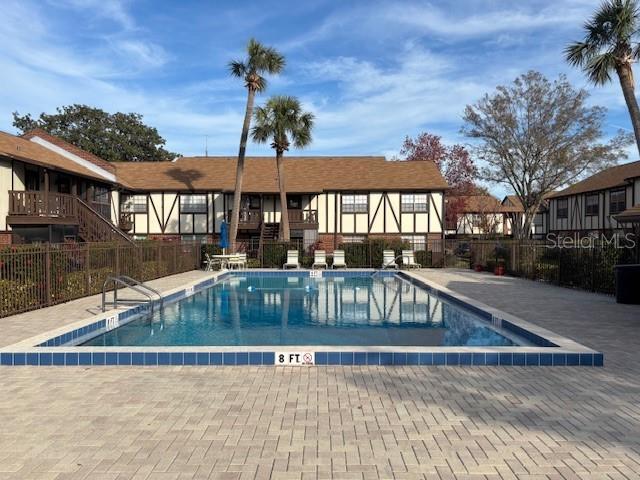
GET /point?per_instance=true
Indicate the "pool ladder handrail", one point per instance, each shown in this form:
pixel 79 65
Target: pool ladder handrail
pixel 135 285
pixel 385 265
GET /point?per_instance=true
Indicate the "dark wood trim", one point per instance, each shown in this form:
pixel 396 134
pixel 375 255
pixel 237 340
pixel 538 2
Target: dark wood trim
pixel 375 214
pixel 155 212
pixel 38 220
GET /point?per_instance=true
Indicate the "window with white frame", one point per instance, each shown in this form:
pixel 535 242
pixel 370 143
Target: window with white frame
pixel 414 203
pixel 134 203
pixel 193 204
pixel 353 238
pixel 415 242
pixel 194 238
pixel 355 203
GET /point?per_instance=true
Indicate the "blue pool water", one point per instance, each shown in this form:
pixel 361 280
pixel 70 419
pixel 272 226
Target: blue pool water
pixel 295 310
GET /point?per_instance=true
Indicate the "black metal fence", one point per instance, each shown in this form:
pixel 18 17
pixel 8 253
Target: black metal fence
pixel 587 266
pixel 35 276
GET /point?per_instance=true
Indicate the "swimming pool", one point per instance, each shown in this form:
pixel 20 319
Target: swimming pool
pixel 359 310
pixel 301 318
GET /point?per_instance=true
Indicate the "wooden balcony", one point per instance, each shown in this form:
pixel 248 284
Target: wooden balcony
pixel 40 207
pixel 249 219
pixel 303 219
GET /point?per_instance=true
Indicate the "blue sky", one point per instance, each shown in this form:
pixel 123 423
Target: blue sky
pixel 372 72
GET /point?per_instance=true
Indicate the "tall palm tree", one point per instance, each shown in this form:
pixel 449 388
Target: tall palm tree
pixel 260 60
pixel 610 44
pixel 283 122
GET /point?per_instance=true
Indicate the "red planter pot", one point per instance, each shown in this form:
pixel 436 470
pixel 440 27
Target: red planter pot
pixel 499 270
pixel 478 268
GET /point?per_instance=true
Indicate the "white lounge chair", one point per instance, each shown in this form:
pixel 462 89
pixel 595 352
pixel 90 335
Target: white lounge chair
pixel 389 259
pixel 338 259
pixel 292 260
pixel 208 263
pixel 238 261
pixel 409 259
pixel 319 259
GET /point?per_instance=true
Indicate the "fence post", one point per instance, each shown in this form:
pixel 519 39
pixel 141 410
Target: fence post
pixel 117 260
pixel 86 270
pixel 47 272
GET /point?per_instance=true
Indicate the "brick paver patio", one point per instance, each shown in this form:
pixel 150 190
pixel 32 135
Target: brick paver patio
pixel 338 422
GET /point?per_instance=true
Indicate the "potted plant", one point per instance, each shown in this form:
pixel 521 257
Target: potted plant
pixel 501 254
pixel 478 267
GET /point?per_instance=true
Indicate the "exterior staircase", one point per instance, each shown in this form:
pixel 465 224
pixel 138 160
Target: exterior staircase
pixel 93 227
pixel 268 232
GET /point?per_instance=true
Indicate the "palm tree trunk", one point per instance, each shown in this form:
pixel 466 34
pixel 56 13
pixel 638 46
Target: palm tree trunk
pixel 625 74
pixel 284 212
pixel 237 192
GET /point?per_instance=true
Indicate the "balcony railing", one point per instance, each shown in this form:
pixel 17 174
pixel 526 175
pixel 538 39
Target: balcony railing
pixel 42 204
pixel 303 218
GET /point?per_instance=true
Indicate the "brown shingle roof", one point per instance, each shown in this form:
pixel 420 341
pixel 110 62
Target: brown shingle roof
pixel 302 174
pixel 69 147
pixel 629 215
pixel 483 204
pixel 30 152
pixel 609 178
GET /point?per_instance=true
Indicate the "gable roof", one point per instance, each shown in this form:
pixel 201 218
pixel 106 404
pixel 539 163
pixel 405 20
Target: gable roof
pixel 612 177
pixel 482 204
pixel 30 152
pixel 302 174
pixel 75 154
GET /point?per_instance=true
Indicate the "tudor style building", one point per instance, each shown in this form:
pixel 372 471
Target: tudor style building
pixel 52 191
pixel 590 207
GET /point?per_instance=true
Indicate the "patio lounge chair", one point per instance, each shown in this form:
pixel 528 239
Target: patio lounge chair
pixel 292 260
pixel 319 259
pixel 209 263
pixel 409 259
pixel 338 259
pixel 389 259
pixel 238 261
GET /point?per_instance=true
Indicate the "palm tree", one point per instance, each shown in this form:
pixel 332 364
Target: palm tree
pixel 283 122
pixel 260 60
pixel 610 44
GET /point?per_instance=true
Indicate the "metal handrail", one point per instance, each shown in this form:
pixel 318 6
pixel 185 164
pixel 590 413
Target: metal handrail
pixel 143 285
pixel 135 287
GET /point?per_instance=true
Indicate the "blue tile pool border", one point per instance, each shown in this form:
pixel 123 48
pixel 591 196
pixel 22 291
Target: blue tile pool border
pixel 61 349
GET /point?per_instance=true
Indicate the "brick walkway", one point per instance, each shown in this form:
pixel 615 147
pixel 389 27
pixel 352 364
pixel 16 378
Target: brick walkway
pixel 343 422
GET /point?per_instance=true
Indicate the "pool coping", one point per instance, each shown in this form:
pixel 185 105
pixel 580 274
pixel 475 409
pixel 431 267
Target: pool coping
pixel 42 349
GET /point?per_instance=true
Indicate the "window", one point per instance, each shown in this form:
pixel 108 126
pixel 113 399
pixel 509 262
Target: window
pixel 101 195
pixel 476 220
pixel 415 242
pixel 562 208
pixel 194 238
pixel 193 204
pixel 537 219
pixel 353 239
pixel 617 201
pixel 592 205
pixel 355 203
pixel 294 202
pixel 250 202
pixel 414 202
pixel 134 203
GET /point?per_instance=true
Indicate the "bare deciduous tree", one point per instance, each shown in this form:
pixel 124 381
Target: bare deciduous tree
pixel 536 136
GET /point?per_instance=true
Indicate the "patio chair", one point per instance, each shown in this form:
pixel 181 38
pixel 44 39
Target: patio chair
pixel 209 263
pixel 319 259
pixel 292 259
pixel 338 259
pixel 389 259
pixel 409 259
pixel 238 261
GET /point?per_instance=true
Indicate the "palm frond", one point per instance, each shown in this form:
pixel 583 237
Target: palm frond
pixel 577 53
pixel 237 68
pixel 282 118
pixel 599 68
